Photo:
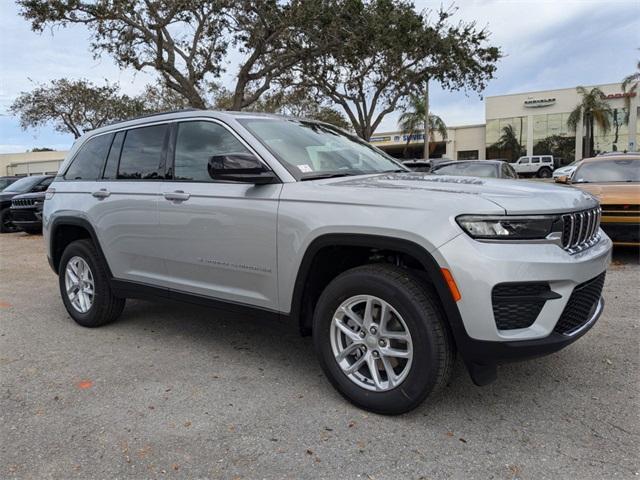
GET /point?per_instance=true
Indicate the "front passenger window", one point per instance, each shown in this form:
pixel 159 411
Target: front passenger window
pixel 196 143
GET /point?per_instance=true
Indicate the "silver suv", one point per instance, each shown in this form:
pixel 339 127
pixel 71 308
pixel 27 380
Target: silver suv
pixel 391 271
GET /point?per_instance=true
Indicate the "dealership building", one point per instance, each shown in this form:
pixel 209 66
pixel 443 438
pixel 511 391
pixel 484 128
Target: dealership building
pixel 539 121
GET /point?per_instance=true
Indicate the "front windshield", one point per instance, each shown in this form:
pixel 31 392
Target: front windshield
pixel 608 171
pixel 5 182
pixel 311 150
pixel 23 185
pixel 468 169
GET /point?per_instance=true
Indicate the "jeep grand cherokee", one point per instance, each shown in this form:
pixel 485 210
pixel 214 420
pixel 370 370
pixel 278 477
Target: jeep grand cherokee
pixel 391 271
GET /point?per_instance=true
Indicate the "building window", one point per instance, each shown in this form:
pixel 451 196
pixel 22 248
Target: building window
pixel 468 155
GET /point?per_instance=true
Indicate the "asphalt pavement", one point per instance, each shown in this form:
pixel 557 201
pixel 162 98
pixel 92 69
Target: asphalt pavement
pixel 174 391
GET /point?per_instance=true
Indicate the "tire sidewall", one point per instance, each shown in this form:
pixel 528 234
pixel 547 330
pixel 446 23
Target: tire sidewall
pixel 423 373
pixel 80 249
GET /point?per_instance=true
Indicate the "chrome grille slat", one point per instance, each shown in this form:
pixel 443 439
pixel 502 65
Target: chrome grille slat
pixel 581 229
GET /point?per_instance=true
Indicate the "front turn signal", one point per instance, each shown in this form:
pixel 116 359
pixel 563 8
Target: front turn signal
pixel 451 283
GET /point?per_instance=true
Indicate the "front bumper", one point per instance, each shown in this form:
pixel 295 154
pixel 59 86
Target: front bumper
pixel 26 217
pixel 478 267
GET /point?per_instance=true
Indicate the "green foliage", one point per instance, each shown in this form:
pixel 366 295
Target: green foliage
pixel 412 120
pixel 386 53
pixel 185 42
pixel 558 146
pixel 593 109
pixel 74 106
pixel 508 144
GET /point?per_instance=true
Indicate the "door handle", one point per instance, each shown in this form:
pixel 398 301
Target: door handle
pixel 102 193
pixel 177 196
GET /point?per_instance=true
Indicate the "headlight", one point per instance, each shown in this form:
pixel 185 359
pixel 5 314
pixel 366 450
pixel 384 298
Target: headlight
pixel 534 227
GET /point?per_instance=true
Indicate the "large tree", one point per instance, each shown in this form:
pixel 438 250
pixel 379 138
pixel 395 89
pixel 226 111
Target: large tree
pixel 387 51
pixel 413 119
pixel 185 42
pixel 509 143
pixel 74 106
pixel 594 110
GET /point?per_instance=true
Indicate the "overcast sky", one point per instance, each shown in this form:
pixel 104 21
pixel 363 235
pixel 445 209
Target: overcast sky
pixel 547 45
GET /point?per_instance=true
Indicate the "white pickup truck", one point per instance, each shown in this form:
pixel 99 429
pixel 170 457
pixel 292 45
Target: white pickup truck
pixel 538 165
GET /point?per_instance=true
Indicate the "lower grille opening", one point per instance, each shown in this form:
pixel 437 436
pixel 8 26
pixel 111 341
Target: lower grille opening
pixel 581 305
pixel 517 305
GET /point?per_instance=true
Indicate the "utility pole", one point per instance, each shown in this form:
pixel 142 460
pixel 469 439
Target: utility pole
pixel 426 121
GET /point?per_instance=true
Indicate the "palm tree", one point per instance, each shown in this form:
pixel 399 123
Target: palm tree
pixel 412 121
pixel 509 141
pixel 593 109
pixel 630 87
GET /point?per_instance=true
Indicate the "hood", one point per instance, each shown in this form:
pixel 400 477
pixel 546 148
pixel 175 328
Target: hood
pixel 34 195
pixel 7 196
pixel 613 192
pixel 514 196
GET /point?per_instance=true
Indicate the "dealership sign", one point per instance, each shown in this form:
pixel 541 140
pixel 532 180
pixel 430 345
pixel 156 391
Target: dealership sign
pixel 539 102
pixel 621 95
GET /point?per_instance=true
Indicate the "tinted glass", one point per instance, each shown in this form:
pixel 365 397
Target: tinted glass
pixel 310 149
pixel 23 185
pixel 473 169
pixel 111 167
pixel 5 182
pixel 535 160
pixel 88 162
pixel 607 171
pixel 196 143
pixel 524 160
pixel 142 153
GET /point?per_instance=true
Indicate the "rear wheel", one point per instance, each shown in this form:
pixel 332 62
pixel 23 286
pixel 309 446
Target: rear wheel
pixel 544 172
pixel 84 286
pixel 381 338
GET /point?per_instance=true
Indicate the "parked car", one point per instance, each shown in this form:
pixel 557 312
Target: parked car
pixel 567 170
pixel 536 166
pixel 6 181
pixel 35 183
pixel 391 271
pixel 417 165
pixel 476 168
pixel 26 212
pixel 615 181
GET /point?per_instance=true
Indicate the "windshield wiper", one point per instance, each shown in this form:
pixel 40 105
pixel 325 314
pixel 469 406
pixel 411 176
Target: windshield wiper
pixel 324 175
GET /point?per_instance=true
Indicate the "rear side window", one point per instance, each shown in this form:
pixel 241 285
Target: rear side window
pixel 111 167
pixel 142 153
pixel 196 143
pixel 88 162
pixel 535 160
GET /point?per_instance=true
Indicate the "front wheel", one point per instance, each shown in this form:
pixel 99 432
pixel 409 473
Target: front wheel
pixel 6 226
pixel 381 339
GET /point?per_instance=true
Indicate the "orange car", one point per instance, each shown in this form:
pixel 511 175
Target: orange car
pixel 615 180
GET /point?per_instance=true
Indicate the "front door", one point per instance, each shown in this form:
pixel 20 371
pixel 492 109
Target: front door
pixel 219 238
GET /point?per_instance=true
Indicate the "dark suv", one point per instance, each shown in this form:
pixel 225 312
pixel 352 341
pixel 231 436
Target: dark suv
pixel 33 184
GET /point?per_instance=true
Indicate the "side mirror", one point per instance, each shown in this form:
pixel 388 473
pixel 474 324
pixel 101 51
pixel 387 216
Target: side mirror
pixel 563 179
pixel 40 188
pixel 239 167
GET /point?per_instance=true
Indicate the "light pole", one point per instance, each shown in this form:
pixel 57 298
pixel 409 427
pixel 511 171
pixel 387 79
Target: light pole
pixel 426 121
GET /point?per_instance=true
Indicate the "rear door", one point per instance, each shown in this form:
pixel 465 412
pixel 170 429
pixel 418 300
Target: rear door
pixel 218 238
pixel 124 203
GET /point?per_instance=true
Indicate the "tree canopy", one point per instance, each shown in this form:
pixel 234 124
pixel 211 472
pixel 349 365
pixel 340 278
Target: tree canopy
pixel 74 106
pixel 186 42
pixel 388 52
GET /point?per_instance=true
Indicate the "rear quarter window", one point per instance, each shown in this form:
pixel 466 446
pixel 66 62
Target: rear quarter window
pixel 89 161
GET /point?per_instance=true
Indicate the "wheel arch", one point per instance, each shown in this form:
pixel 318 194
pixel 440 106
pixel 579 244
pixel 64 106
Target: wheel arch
pixel 300 311
pixel 66 229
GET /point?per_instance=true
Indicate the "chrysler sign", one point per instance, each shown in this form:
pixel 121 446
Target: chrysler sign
pixel 539 102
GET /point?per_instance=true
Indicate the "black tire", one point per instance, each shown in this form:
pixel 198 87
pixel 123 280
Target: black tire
pixel 5 221
pixel 433 349
pixel 544 172
pixel 106 307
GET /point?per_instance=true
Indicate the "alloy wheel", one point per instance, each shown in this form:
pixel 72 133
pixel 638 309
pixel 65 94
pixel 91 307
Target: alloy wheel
pixel 79 284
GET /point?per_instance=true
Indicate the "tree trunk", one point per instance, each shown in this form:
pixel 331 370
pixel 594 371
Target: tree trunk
pixel 426 121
